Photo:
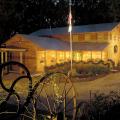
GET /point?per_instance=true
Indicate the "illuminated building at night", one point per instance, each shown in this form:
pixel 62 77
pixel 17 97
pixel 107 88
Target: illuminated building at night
pixel 47 47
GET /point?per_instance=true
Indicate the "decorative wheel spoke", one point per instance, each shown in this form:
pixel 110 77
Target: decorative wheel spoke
pixel 52 96
pixel 57 95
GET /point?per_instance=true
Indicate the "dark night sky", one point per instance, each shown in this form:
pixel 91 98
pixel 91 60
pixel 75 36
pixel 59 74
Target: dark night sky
pixel 26 16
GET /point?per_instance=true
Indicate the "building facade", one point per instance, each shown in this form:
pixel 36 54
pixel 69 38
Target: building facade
pixel 47 47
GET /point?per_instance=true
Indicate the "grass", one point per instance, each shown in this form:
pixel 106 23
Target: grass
pixel 111 82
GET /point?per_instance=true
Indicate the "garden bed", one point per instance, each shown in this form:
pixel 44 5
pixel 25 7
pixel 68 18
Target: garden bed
pixel 82 71
pixel 89 78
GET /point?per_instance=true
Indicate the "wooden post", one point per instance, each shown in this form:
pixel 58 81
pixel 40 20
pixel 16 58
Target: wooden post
pixel 6 56
pixel 69 57
pixel 82 53
pixel 46 58
pixel 21 60
pixel 21 57
pixel 77 56
pixel 65 56
pixel 2 60
pixel 56 56
pixel 6 59
pixel 101 55
pixel 2 57
pixel 91 55
pixel 73 56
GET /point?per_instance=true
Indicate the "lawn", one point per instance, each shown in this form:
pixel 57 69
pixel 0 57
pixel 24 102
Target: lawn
pixel 84 89
pixel 110 82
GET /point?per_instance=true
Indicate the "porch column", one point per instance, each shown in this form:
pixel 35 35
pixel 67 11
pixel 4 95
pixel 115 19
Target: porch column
pixel 101 55
pixel 2 57
pixel 56 56
pixel 6 60
pixel 82 53
pixel 6 56
pixel 21 57
pixel 69 56
pixel 91 55
pixel 73 53
pixel 21 60
pixel 2 60
pixel 64 56
pixel 45 58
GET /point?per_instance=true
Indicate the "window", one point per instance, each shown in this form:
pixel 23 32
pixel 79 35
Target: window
pixel 81 37
pixel 100 36
pixel 110 36
pixel 105 36
pixel 87 37
pixel 75 38
pixel 94 36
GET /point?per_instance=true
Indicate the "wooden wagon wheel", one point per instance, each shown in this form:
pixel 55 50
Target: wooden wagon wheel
pixel 55 97
pixel 10 105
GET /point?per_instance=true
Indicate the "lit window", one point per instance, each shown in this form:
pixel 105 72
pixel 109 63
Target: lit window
pixel 87 37
pixel 75 38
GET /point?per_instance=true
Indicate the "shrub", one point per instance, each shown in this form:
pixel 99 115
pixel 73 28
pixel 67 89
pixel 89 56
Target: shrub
pixel 91 69
pixel 102 107
pixel 80 69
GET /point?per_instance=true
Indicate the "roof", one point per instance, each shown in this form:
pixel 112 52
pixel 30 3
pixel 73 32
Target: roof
pixel 48 43
pixel 89 46
pixel 55 44
pixel 76 29
pixel 12 48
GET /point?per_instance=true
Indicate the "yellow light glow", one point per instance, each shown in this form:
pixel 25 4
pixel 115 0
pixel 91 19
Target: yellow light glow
pixel 67 54
pixel 53 55
pixel 77 56
pixel 61 54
